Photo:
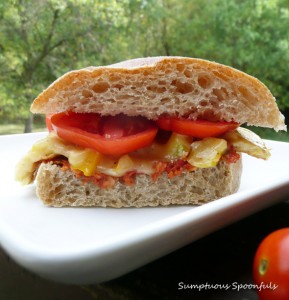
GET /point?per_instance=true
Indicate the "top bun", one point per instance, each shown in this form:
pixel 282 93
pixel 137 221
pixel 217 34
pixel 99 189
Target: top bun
pixel 153 86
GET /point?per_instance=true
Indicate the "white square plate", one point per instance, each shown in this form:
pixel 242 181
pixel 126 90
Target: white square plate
pixel 89 245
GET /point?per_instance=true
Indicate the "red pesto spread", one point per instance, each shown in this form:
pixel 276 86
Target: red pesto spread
pixel 172 169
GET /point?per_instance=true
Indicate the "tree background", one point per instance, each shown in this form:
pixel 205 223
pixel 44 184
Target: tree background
pixel 42 39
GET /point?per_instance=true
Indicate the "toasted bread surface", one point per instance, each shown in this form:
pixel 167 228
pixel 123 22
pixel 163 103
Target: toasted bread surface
pixel 177 86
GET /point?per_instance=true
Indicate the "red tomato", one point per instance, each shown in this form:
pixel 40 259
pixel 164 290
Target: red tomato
pixel 271 266
pixel 112 135
pixel 48 122
pixel 195 128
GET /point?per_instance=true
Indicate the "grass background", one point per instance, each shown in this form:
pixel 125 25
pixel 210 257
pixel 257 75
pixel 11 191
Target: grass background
pixel 271 134
pixel 18 128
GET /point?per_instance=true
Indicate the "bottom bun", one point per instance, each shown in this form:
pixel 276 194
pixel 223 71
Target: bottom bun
pixel 62 188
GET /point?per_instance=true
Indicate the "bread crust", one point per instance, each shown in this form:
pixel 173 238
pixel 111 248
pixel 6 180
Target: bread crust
pixel 62 188
pixel 152 86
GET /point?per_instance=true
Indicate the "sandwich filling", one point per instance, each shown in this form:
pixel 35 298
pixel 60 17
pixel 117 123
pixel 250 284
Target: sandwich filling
pixel 104 149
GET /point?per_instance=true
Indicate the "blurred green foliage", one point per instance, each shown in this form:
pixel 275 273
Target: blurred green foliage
pixel 41 40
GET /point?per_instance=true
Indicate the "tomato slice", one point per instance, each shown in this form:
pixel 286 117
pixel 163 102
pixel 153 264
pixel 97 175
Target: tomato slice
pixel 48 122
pixel 195 128
pixel 110 135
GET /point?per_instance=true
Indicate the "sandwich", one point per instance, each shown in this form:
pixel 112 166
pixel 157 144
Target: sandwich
pixel 151 131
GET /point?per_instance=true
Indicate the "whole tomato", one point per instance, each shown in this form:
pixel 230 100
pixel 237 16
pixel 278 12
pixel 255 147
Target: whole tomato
pixel 271 266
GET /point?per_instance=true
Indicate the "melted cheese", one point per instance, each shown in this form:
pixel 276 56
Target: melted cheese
pixel 246 141
pixel 203 154
pixel 86 160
